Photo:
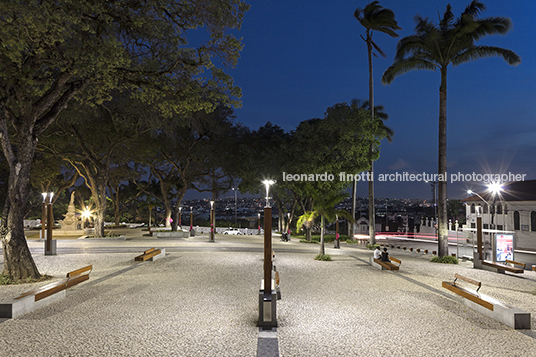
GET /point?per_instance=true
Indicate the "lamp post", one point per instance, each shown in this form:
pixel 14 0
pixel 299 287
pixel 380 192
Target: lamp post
pixel 211 239
pixel 268 294
pixel 434 191
pixel 288 225
pixel 180 217
pixel 43 215
pixel 192 232
pixel 235 214
pixel 259 224
pixel 337 242
pixel 50 244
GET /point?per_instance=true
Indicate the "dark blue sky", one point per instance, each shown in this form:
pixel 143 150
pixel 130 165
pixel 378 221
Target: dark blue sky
pixel 301 57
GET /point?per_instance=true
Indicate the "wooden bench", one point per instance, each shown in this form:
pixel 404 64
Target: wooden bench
pixel 151 254
pixel 487 305
pixel 44 295
pixel 394 264
pixel 502 268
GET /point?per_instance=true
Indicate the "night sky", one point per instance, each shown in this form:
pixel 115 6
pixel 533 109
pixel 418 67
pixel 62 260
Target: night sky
pixel 301 57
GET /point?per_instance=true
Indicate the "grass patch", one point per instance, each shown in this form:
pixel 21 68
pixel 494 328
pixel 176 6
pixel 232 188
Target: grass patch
pixel 372 246
pixel 303 240
pixel 6 280
pixel 323 257
pixel 447 259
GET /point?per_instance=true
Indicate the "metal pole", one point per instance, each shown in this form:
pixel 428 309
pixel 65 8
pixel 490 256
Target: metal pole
pixel 479 236
pixel 43 217
pixel 267 251
pixel 50 224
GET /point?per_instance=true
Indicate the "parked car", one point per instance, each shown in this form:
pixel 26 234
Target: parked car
pixel 232 231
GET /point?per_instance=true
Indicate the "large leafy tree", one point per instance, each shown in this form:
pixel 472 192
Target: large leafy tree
pixel 434 47
pixel 54 51
pixel 374 18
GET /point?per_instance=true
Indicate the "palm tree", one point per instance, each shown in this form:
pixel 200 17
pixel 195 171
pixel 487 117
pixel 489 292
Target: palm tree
pixel 325 208
pixel 374 18
pixel 434 47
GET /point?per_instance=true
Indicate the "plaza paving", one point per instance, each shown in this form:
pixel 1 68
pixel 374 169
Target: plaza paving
pixel 202 300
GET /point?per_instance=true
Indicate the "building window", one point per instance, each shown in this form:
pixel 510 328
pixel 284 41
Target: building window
pixel 486 226
pixel 499 209
pixel 473 225
pixel 473 208
pixel 500 227
pixel 517 223
pixel 533 221
pixel 485 208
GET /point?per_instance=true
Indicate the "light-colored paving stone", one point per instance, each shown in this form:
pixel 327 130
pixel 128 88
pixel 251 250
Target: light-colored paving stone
pixel 201 300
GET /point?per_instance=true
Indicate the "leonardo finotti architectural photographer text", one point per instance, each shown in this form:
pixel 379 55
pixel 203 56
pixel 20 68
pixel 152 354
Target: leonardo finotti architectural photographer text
pixel 406 177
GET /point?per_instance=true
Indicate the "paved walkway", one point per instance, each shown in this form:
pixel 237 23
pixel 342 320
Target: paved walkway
pixel 201 300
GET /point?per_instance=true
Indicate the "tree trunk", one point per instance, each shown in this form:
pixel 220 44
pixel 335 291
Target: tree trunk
pixel 18 261
pixel 442 236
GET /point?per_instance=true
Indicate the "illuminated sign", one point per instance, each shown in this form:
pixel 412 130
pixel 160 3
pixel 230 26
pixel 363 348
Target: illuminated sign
pixel 504 244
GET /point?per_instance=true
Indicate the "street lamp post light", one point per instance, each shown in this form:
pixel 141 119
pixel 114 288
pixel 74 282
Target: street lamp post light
pixel 192 232
pixel 235 214
pixel 211 221
pixel 268 294
pixel 50 244
pixel 434 194
pixel 43 215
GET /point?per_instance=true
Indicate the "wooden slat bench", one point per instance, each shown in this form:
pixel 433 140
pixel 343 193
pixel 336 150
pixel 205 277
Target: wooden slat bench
pixel 487 305
pixel 394 264
pixel 44 295
pixel 151 254
pixel 502 268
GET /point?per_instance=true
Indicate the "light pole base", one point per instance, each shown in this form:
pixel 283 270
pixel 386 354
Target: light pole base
pixel 267 309
pixel 50 247
pixel 337 244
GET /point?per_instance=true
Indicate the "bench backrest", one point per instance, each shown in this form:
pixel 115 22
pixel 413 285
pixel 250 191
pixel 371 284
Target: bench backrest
pixel 396 260
pixel 149 251
pixel 79 271
pixel 515 263
pixel 469 280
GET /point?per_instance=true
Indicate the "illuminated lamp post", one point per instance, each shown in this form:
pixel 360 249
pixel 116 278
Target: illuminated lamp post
pixel 235 213
pixel 211 221
pixel 288 225
pixel 85 216
pixel 50 244
pixel 259 224
pixel 43 215
pixel 268 294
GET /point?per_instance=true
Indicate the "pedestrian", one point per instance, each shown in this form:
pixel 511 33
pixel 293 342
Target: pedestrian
pixel 377 253
pixel 385 256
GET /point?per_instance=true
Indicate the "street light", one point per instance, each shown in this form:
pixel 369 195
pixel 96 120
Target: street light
pixel 433 184
pixel 235 215
pixel 191 221
pixel 267 296
pixel 50 245
pixel 211 221
pixel 43 215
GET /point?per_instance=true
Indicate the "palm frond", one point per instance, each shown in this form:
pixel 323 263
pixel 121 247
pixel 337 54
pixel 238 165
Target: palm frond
pixel 406 65
pixel 478 52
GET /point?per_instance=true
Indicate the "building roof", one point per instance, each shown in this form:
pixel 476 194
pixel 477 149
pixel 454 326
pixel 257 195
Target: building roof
pixel 512 191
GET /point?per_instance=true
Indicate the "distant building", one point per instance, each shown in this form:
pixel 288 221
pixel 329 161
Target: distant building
pixel 513 209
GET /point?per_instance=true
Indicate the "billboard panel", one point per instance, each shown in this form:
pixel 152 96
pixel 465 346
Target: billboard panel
pixel 504 244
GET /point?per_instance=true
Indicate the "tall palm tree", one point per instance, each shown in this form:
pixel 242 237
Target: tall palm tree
pixel 374 18
pixel 434 47
pixel 325 208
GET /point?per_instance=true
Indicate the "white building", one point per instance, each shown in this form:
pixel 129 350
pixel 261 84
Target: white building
pixel 512 209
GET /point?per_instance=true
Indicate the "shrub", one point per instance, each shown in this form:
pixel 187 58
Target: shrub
pixel 6 280
pixel 447 259
pixel 372 246
pixel 303 240
pixel 323 257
